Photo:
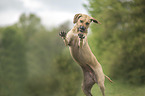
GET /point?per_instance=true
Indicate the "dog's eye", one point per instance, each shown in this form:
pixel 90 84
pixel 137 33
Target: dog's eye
pixel 87 23
pixel 81 21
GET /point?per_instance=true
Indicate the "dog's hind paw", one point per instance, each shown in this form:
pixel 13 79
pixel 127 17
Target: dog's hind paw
pixel 81 36
pixel 62 34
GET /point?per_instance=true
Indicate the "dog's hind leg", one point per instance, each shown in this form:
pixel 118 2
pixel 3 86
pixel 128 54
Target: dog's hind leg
pixel 99 77
pixel 102 87
pixel 100 80
pixel 88 82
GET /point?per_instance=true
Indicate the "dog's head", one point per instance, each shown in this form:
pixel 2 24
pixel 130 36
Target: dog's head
pixel 83 21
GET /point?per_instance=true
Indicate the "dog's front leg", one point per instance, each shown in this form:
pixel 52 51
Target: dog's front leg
pixel 81 41
pixel 63 35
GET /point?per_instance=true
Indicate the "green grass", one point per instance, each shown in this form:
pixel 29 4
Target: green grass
pixel 118 89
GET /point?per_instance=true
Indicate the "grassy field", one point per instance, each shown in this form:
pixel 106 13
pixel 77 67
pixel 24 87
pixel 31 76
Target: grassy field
pixel 118 89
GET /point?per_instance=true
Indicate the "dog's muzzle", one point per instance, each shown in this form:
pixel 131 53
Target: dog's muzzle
pixel 81 28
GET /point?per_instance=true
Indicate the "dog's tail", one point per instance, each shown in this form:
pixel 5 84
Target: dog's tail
pixel 108 78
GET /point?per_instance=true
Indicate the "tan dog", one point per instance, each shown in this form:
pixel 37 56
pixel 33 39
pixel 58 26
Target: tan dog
pixel 76 39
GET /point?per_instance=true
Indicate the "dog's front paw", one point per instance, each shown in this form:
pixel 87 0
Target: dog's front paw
pixel 62 34
pixel 81 36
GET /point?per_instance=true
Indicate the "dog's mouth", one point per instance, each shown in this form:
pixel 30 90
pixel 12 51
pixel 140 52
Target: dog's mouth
pixel 81 28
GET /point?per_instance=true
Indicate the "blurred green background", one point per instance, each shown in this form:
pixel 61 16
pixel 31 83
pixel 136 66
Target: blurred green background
pixel 35 62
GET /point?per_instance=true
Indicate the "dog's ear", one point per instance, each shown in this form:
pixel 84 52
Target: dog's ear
pixel 94 20
pixel 76 17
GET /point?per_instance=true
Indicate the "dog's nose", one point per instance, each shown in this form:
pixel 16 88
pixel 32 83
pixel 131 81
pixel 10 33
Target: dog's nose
pixel 81 28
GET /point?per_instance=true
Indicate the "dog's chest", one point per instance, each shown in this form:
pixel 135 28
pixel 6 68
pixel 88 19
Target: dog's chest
pixel 80 55
pixel 75 41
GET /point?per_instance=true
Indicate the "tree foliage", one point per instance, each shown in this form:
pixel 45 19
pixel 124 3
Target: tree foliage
pixel 32 62
pixel 69 75
pixel 13 68
pixel 121 37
